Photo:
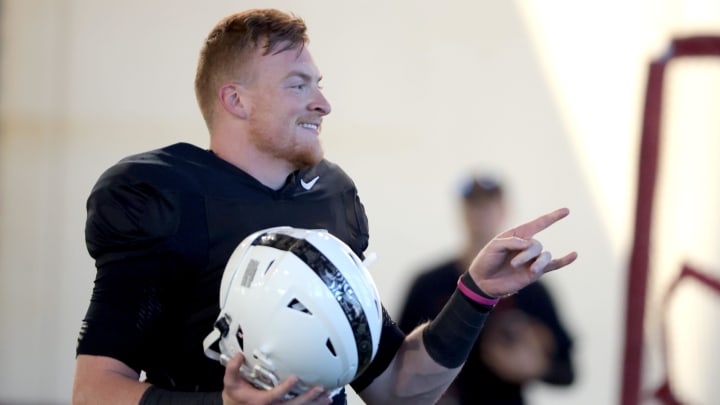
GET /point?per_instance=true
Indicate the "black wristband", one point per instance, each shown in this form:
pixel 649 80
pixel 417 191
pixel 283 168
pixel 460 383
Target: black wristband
pixel 159 396
pixel 449 337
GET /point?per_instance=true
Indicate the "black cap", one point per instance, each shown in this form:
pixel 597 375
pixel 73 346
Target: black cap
pixel 481 187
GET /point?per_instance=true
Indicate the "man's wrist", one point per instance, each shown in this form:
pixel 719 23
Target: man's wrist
pixel 469 289
pixel 449 337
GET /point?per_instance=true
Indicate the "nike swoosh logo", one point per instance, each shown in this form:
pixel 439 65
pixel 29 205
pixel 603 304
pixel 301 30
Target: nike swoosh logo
pixel 309 184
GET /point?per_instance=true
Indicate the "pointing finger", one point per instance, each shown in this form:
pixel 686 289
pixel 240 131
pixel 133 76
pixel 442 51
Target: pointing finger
pixel 529 229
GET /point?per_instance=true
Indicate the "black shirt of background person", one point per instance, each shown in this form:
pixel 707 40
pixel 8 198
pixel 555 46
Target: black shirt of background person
pixel 476 384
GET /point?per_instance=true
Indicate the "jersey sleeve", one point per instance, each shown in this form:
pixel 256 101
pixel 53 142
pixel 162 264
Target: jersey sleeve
pixel 127 218
pixel 335 180
pixel 361 236
pixel 390 340
pixel 128 226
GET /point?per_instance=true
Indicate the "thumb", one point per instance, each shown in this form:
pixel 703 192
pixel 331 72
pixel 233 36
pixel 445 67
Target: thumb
pixel 232 369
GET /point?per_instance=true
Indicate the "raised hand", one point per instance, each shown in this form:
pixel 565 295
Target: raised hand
pixel 514 259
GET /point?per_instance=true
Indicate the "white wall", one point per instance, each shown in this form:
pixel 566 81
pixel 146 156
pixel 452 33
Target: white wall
pixel 547 93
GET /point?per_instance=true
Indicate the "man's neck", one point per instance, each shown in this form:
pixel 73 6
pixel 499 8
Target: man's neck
pixel 269 171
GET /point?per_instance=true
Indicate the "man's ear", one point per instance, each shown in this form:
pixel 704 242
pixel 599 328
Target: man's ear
pixel 232 99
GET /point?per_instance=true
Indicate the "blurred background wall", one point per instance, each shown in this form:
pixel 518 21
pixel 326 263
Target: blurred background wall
pixel 546 93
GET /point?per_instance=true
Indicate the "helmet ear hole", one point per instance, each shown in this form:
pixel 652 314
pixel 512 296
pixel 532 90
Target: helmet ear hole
pixel 298 306
pixel 239 336
pixel 269 266
pixel 330 347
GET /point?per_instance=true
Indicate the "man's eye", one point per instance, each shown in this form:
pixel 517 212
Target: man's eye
pixel 298 86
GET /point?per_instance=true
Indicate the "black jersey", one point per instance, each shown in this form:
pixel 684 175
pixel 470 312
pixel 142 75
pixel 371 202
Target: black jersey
pixel 161 226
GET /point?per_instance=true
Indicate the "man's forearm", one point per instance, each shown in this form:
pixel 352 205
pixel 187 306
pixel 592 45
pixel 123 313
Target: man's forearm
pixel 432 355
pixel 412 377
pixel 104 380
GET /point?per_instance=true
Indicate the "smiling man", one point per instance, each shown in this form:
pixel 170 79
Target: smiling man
pixel 161 226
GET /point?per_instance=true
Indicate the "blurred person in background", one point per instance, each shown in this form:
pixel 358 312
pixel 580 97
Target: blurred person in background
pixel 523 340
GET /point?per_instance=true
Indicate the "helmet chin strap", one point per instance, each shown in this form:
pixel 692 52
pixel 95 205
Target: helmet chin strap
pixel 212 338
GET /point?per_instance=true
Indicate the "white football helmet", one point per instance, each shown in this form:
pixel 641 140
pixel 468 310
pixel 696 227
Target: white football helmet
pixel 297 302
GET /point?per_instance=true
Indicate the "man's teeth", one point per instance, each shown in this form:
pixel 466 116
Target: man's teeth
pixel 310 126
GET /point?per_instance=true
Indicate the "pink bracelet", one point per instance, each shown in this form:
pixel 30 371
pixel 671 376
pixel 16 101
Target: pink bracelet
pixel 491 302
